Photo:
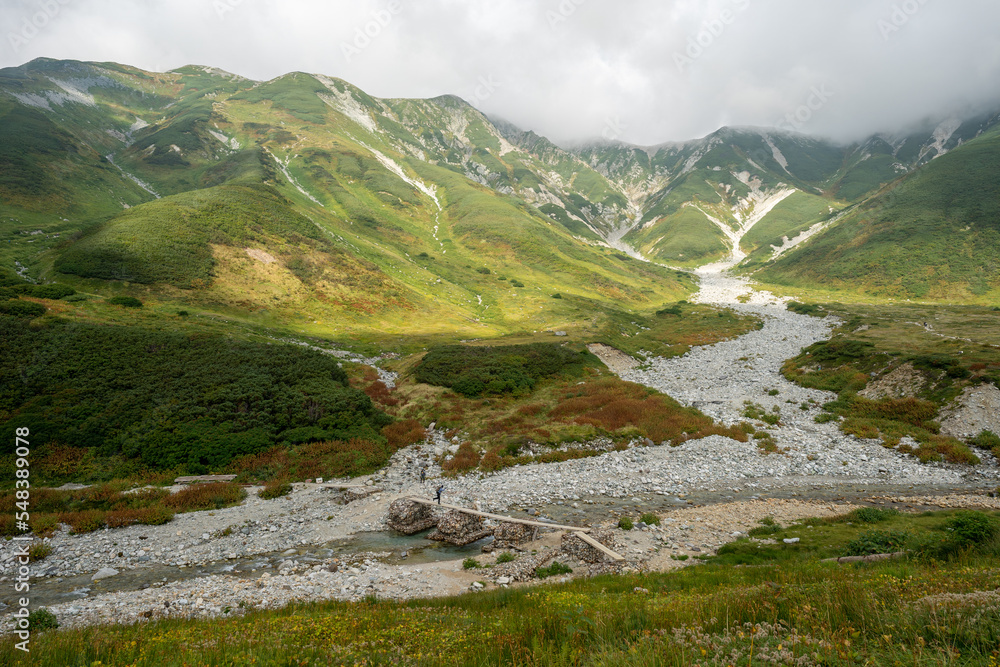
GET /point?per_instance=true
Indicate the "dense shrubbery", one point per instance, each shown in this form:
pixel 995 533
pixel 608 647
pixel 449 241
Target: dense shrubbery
pixel 107 505
pixel 275 489
pixel 173 400
pixel 125 301
pixel 805 309
pixel 473 371
pixel 335 458
pixel 19 308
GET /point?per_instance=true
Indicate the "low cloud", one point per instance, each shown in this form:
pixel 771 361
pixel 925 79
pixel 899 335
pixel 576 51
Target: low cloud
pixel 643 71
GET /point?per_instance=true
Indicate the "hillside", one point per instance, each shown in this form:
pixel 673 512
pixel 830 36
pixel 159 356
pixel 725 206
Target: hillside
pixel 305 201
pixel 933 234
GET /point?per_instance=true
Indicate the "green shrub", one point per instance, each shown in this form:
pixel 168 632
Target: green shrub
pixel 275 489
pixel 483 270
pixel 177 400
pixel 763 531
pixel 474 370
pixel 872 514
pixel 125 301
pixel 805 309
pixel 971 528
pixel 650 519
pixel 876 542
pixel 53 291
pixel 147 516
pixel 42 619
pixel 505 557
pixel 987 440
pixel 516 283
pixel 625 523
pixel 43 525
pixel 556 568
pixel 38 551
pixel 772 392
pixel 19 308
pixel 84 521
pixel 470 564
pixel 557 295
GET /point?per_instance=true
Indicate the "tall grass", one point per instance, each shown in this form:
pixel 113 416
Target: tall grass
pixel 794 613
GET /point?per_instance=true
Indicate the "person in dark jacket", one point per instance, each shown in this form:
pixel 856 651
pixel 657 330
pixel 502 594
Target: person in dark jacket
pixel 440 490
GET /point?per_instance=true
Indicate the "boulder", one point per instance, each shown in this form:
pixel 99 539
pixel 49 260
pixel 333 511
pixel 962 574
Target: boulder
pixel 459 528
pixel 508 535
pixel 408 517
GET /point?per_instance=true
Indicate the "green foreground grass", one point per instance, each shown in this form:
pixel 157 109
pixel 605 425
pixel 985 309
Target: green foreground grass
pixel 801 612
pixel 760 601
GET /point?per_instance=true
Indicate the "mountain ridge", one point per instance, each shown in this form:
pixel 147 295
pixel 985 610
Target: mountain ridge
pixel 371 167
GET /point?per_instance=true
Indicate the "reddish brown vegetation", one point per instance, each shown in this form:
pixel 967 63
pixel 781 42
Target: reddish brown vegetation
pixel 466 458
pixel 404 432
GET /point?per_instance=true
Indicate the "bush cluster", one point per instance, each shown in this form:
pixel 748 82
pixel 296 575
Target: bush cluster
pixel 275 489
pixel 474 371
pixel 171 399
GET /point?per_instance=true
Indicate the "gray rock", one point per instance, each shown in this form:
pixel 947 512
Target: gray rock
pixel 104 573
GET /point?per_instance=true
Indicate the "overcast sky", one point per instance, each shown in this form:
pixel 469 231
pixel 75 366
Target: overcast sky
pixel 644 71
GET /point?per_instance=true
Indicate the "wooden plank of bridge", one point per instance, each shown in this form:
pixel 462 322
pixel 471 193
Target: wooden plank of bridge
pixel 204 479
pixel 347 486
pixel 597 545
pixel 499 517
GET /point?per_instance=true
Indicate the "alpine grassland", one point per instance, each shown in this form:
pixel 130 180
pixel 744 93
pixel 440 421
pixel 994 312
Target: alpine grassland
pixel 935 606
pixel 931 236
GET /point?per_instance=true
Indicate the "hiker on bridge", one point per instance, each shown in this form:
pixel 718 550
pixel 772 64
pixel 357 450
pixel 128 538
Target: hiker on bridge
pixel 440 490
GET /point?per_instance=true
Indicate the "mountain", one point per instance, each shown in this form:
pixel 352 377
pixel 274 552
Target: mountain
pixel 932 234
pixel 307 200
pixel 302 198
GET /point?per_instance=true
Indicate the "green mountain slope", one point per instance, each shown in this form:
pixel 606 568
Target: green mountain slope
pixel 934 235
pixel 310 201
pixel 306 199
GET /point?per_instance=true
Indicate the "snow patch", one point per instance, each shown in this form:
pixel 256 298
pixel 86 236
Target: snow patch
pixel 132 177
pixel 391 165
pixel 787 244
pixel 345 103
pixel 231 143
pixel 778 156
pixel 942 133
pixel 283 167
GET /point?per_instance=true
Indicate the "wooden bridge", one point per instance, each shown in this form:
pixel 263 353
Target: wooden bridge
pixel 579 531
